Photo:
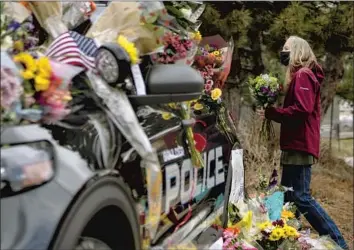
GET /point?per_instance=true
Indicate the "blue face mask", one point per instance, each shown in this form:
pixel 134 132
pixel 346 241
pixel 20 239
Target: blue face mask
pixel 285 57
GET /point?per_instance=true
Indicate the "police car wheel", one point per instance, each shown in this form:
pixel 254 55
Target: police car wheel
pixel 87 243
pixel 104 214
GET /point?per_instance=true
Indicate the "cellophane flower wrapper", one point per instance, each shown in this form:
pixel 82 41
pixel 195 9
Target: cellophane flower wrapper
pixel 49 16
pixel 325 243
pixel 288 244
pixel 17 11
pixel 17 32
pixel 65 71
pixel 221 69
pixel 274 204
pixel 125 18
pixel 255 205
pixel 119 109
pixel 75 13
pixel 186 246
pixel 183 110
pixel 176 49
pixel 183 16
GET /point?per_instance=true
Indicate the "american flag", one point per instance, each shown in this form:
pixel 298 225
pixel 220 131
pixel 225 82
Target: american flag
pixel 75 49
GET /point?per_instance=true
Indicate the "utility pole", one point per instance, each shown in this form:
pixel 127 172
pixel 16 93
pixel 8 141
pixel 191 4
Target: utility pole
pixel 331 127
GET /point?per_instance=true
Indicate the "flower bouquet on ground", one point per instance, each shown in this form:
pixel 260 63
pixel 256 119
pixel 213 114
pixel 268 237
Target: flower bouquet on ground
pixel 265 90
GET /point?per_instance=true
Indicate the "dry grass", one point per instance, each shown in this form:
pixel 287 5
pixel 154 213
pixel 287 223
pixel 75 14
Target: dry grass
pixel 332 179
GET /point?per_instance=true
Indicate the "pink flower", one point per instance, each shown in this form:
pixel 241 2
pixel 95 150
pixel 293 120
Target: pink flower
pixel 208 87
pixel 55 114
pixel 204 74
pixel 210 82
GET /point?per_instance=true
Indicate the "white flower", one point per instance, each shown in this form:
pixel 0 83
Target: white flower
pixel 7 42
pixel 266 77
pixel 187 12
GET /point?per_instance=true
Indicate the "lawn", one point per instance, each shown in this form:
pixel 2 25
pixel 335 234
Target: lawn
pixel 341 148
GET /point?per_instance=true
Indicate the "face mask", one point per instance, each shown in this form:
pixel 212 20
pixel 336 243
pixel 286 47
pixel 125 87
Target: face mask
pixel 285 57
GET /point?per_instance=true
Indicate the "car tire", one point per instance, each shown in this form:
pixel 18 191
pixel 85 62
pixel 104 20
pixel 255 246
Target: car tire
pixel 107 192
pixel 87 243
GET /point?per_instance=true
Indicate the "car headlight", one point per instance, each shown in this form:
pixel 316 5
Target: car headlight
pixel 112 63
pixel 34 167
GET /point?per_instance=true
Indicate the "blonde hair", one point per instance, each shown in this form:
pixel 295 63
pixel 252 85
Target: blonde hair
pixel 301 55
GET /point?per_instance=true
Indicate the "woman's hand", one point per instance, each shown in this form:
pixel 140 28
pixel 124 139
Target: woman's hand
pixel 260 113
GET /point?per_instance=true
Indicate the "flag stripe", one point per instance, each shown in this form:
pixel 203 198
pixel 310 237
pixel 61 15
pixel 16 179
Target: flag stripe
pixel 75 49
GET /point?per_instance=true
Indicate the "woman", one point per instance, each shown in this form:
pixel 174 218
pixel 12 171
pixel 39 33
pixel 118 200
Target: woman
pixel 300 132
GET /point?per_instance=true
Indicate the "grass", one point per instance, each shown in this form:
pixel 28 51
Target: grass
pixel 332 178
pixel 341 148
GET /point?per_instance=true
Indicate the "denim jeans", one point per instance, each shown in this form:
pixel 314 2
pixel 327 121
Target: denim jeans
pixel 299 178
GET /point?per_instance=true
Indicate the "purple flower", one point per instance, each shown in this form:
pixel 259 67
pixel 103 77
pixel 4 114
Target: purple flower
pixel 264 90
pixel 28 26
pixel 13 25
pixel 11 88
pixel 279 223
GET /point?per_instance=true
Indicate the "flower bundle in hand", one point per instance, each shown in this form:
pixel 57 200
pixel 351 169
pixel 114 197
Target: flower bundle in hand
pixel 265 89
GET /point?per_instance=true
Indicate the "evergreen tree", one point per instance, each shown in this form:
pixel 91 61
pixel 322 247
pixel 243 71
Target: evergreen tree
pixel 260 29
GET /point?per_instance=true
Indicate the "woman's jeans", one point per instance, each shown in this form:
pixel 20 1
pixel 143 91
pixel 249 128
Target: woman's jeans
pixel 299 178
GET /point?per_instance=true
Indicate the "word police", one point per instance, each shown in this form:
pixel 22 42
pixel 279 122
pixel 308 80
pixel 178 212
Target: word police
pixel 183 182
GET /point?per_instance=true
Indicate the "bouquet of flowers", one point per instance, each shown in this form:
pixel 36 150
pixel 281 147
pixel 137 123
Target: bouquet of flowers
pixel 43 94
pixel 16 36
pixel 265 89
pixel 184 110
pixel 232 241
pixel 177 49
pixel 273 233
pixel 213 60
pixel 185 15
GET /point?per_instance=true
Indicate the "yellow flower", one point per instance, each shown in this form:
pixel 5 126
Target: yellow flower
pixel 172 105
pixel 28 63
pixel 290 231
pixel 18 45
pixel 166 116
pixel 27 74
pixel 265 225
pixel 216 93
pixel 216 53
pixel 197 36
pixel 198 106
pixel 130 48
pixel 278 231
pixel 246 221
pixel 273 237
pixel 285 214
pixel 43 65
pixel 41 83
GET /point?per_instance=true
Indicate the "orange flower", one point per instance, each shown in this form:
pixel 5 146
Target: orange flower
pixel 235 230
